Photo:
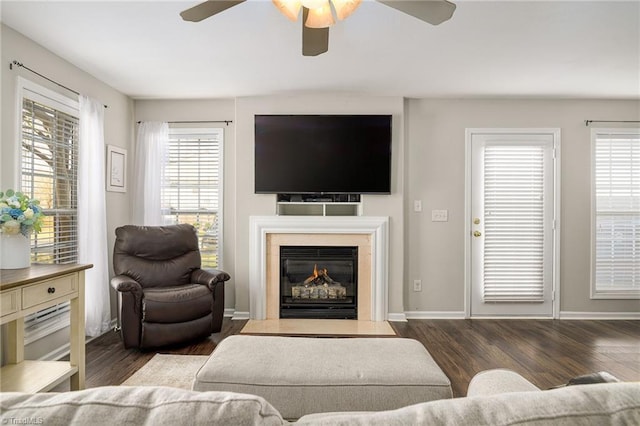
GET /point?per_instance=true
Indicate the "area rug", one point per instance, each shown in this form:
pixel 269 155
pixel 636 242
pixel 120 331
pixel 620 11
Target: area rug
pixel 177 371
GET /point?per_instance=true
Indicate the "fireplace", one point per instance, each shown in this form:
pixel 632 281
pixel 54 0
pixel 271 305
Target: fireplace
pixel 368 233
pixel 318 282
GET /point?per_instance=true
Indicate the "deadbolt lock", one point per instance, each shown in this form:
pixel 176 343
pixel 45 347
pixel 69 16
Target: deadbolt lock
pixel 477 233
pixel 476 221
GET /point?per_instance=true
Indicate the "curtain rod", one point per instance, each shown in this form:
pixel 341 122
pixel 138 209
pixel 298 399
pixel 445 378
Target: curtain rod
pixel 21 65
pixel 588 122
pixel 198 121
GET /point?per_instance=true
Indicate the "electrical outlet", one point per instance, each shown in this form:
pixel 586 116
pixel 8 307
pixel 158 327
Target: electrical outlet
pixel 417 205
pixel 417 285
pixel 439 215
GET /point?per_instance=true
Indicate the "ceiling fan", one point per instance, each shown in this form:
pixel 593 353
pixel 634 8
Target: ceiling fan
pixel 317 15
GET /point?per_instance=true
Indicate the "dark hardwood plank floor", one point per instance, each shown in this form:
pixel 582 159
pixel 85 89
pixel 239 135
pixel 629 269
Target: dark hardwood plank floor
pixel 546 352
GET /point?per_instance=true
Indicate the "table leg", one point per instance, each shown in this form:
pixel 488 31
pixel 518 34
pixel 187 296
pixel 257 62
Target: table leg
pixel 77 354
pixel 15 341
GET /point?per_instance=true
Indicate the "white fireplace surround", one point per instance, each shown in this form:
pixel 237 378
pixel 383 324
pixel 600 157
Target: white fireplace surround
pixel 374 226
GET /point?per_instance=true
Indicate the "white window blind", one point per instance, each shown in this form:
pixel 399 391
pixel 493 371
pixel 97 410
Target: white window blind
pixel 616 254
pixel 192 187
pixel 514 223
pixel 49 166
pixel 49 174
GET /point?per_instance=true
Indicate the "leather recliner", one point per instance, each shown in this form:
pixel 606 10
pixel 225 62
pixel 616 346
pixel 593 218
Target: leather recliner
pixel 166 298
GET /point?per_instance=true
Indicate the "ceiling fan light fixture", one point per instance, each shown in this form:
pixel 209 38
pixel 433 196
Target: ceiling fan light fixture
pixel 289 8
pixel 320 17
pixel 344 8
pixel 313 4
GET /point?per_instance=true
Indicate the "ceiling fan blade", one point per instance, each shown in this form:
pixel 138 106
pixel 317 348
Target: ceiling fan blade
pixel 315 41
pixel 432 11
pixel 208 8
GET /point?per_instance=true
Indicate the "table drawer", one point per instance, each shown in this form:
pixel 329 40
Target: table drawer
pixel 48 290
pixel 9 302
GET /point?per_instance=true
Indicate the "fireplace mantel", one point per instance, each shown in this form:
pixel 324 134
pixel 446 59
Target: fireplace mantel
pixel 374 226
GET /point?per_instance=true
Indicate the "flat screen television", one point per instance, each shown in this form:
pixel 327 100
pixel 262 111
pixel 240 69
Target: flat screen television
pixel 323 154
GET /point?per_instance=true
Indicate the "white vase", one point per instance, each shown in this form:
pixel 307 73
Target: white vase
pixel 15 251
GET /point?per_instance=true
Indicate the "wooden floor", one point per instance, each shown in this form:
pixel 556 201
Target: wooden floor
pixel 546 352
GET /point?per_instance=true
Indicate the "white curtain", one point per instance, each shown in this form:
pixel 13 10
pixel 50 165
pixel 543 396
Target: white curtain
pixel 92 216
pixel 151 143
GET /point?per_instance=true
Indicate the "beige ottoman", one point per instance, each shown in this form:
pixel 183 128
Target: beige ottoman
pixel 299 376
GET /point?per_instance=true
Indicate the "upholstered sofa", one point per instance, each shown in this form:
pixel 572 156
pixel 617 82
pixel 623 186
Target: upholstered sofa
pixel 495 397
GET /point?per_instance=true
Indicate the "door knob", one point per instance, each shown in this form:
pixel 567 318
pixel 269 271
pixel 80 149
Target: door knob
pixel 477 233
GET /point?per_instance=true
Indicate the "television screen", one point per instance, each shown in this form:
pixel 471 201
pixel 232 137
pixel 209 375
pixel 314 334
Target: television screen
pixel 331 154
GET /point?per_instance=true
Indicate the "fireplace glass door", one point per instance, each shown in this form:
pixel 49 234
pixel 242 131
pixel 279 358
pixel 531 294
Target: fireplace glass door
pixel 318 282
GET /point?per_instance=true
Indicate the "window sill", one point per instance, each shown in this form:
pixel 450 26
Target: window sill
pixel 615 295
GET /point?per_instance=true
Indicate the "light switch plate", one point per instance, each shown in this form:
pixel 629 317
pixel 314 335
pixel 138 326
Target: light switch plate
pixel 439 215
pixel 417 205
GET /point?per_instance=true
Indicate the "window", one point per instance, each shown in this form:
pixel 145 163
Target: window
pixel 48 135
pixel 615 214
pixel 192 187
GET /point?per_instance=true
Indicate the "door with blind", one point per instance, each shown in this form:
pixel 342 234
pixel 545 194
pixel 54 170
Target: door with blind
pixel 512 223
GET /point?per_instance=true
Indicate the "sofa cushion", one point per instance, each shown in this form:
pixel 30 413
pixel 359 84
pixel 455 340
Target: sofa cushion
pixel 499 380
pixel 122 405
pixel 598 404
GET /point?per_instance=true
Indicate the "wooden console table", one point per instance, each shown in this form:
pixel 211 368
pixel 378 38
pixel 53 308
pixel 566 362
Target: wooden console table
pixel 28 290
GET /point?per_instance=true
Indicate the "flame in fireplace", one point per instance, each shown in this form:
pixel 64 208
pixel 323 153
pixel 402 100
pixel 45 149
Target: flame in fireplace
pixel 319 272
pixel 319 276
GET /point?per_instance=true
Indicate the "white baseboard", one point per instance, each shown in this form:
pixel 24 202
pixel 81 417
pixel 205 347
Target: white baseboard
pixel 47 328
pixel 397 317
pixel 572 315
pixel 57 354
pixel 229 312
pixel 435 315
pixel 239 315
pixel 65 349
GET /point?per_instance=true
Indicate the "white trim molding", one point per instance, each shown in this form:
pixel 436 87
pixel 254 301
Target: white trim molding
pixel 396 317
pixel 374 226
pixel 572 315
pixel 435 315
pixel 240 315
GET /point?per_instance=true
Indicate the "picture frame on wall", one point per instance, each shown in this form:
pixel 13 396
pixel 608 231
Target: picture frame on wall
pixel 116 169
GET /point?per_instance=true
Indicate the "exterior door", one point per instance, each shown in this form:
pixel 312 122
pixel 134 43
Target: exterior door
pixel 512 223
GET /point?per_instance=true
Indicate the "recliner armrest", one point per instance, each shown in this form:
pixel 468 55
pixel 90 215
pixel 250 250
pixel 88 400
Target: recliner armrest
pixel 124 283
pixel 209 277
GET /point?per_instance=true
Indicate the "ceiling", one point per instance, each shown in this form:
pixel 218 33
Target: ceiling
pixel 576 49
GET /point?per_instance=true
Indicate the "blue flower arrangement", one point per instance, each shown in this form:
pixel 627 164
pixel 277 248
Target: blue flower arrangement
pixel 19 214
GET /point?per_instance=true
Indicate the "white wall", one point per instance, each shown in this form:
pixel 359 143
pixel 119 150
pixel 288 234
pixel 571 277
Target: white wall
pixel 214 110
pixel 436 156
pixel 248 203
pixel 118 126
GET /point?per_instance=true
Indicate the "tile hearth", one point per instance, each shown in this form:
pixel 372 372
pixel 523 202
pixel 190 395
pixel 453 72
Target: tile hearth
pixel 318 327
